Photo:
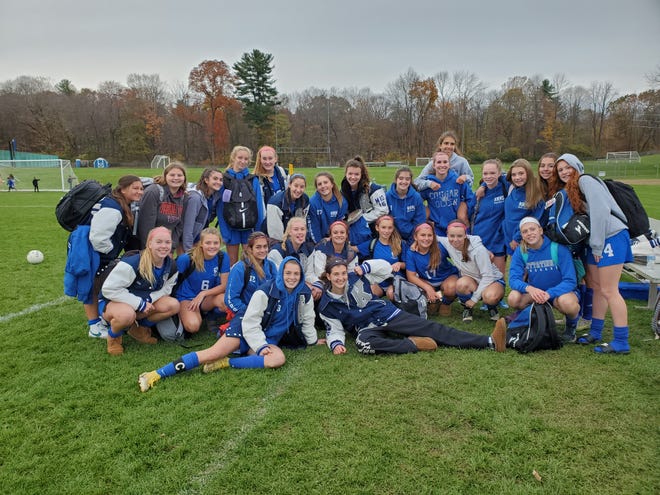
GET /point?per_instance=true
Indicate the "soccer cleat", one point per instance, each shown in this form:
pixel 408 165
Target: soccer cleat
pixel 98 330
pixel 432 308
pixel 493 314
pixel 216 365
pixel 467 315
pixel 114 346
pixel 424 343
pixel 445 310
pixel 142 334
pixel 499 335
pixel 148 380
pixel 583 324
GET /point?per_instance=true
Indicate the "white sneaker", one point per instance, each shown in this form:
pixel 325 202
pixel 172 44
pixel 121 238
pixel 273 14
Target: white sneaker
pixel 99 330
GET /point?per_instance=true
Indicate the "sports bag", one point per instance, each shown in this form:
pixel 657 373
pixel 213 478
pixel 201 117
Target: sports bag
pixel 635 215
pixel 75 206
pixel 540 333
pixel 240 209
pixel 409 297
pixel 572 232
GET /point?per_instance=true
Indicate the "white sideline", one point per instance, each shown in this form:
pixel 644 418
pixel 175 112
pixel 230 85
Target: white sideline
pixel 33 309
pixel 225 454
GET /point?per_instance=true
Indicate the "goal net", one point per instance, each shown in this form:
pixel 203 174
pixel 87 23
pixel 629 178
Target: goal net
pixel 623 156
pixel 50 174
pixel 421 161
pixel 160 161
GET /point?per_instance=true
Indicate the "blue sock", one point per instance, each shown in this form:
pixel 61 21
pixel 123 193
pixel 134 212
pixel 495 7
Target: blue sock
pixel 114 335
pixel 252 361
pixel 447 301
pixel 145 322
pixel 464 298
pixel 596 330
pixel 620 341
pixel 588 304
pixel 185 362
pixel 93 322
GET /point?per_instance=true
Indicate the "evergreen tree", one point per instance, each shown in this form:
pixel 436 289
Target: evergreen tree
pixel 255 89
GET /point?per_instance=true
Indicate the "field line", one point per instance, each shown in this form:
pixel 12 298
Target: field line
pixel 225 453
pixel 34 308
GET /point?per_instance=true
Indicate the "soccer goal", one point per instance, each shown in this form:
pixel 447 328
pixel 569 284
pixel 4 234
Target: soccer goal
pixel 50 174
pixel 421 161
pixel 160 161
pixel 623 156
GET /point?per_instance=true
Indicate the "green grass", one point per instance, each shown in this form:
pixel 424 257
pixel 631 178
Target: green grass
pixel 451 421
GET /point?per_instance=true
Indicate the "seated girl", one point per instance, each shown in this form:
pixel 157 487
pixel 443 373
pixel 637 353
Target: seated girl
pixel 203 273
pixel 479 277
pixel 136 294
pixel 427 267
pixel 282 309
pixel 348 305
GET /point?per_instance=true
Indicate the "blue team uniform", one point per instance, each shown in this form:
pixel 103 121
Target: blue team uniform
pixel 198 281
pixel 418 263
pixel 322 214
pixel 487 222
pixel 514 211
pixel 443 203
pixel 408 212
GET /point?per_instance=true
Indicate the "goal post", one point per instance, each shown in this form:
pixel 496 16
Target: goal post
pixel 160 161
pixel 421 161
pixel 623 156
pixel 51 174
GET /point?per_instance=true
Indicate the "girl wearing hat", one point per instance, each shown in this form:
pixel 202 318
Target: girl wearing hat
pixel 542 271
pixel 608 250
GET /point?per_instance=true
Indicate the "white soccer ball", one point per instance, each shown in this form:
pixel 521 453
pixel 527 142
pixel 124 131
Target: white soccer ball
pixel 35 257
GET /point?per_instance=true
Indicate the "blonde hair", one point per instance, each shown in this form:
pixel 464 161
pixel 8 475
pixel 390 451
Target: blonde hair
pixel 197 251
pixel 146 266
pixel 258 167
pixel 533 192
pixel 287 230
pixel 235 150
pixel 395 238
pixel 434 250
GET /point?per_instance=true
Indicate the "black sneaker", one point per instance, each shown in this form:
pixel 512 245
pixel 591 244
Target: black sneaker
pixel 467 315
pixel 493 314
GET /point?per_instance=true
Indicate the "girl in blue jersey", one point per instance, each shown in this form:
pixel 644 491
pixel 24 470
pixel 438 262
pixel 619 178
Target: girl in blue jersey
pixel 280 311
pixel 204 289
pixel 200 208
pixel 542 271
pixel 525 199
pixel 348 305
pixel 326 206
pixel 479 277
pixel 387 246
pixel 544 170
pixel 239 160
pixel 488 213
pixel 447 143
pixel 271 176
pixel 366 200
pixel 405 203
pixel 284 205
pixel 337 245
pixel 608 250
pixel 110 230
pixel 447 198
pixel 427 267
pixel 136 293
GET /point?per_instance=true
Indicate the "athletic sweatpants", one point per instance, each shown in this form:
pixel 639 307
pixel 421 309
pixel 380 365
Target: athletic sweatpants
pixel 376 339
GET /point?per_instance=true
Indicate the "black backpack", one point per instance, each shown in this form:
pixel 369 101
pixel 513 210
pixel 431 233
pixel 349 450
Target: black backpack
pixel 75 206
pixel 240 210
pixel 635 215
pixel 540 333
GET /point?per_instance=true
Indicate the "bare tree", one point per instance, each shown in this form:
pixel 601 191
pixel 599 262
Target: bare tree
pixel 600 95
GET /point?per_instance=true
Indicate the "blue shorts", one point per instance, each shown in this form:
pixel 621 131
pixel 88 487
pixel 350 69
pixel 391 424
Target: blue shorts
pixel 552 299
pixel 238 236
pixel 615 252
pixel 235 330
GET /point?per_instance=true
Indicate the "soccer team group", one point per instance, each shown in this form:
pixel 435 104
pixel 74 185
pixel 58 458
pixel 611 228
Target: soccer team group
pixel 335 260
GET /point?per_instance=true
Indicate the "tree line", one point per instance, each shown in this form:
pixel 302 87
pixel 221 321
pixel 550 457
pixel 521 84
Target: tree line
pixel 220 106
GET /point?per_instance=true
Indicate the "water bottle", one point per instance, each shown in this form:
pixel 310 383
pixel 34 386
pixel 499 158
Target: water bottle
pixel 650 261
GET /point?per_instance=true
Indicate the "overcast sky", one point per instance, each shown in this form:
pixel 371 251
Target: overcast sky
pixel 334 43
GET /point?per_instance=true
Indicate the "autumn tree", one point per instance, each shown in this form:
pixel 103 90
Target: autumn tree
pixel 256 90
pixel 214 82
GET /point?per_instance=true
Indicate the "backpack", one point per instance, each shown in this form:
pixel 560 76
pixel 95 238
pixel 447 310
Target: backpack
pixel 540 333
pixel 635 215
pixel 240 209
pixel 409 297
pixel 580 270
pixel 573 232
pixel 76 205
pixel 191 268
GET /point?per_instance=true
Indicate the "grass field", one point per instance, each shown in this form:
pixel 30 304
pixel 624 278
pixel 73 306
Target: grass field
pixel 451 421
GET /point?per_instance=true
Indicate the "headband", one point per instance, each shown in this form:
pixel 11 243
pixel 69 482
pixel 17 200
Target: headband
pixel 457 224
pixel 267 148
pixel 421 225
pixel 341 222
pixel 528 220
